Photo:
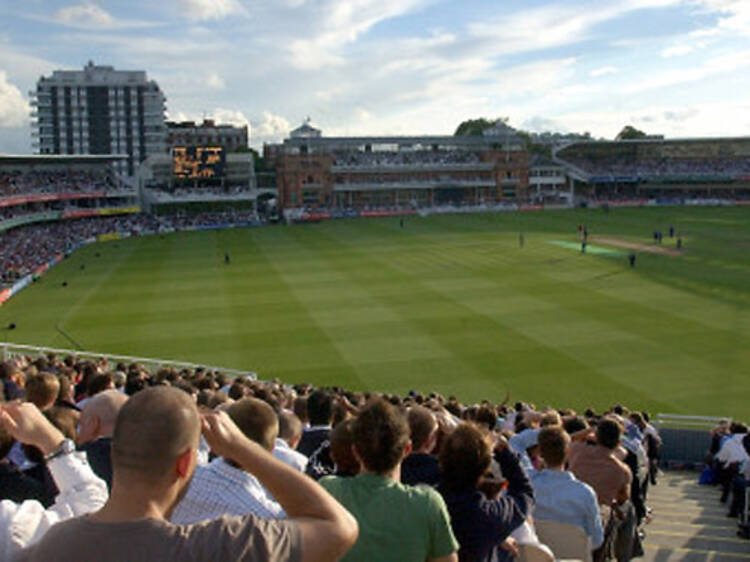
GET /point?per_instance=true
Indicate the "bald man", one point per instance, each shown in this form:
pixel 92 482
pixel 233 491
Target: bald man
pixel 154 449
pixel 95 430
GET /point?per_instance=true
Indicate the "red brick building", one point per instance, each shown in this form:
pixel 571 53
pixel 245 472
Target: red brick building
pixel 314 171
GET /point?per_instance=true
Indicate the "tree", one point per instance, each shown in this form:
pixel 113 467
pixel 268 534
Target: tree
pixel 474 127
pixel 629 132
pixel 258 160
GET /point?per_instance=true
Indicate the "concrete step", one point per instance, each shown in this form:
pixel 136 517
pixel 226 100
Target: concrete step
pixel 689 523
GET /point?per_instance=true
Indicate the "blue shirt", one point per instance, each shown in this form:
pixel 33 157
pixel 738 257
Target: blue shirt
pixel 563 498
pixel 522 441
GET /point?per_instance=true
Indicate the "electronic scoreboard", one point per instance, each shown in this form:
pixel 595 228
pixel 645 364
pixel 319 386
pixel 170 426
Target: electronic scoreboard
pixel 196 162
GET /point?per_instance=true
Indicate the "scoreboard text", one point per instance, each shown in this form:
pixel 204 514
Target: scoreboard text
pixel 190 162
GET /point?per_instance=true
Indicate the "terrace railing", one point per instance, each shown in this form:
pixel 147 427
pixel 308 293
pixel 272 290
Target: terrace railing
pixel 9 350
pixel 685 439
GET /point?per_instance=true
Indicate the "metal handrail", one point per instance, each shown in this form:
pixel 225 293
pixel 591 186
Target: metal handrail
pixel 10 349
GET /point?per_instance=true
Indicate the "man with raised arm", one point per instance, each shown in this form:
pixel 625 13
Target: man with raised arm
pixel 81 491
pixel 154 450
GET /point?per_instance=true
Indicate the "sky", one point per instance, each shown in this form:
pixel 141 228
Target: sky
pixel 680 68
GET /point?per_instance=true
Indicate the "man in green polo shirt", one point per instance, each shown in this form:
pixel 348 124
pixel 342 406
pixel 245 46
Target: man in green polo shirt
pixel 396 521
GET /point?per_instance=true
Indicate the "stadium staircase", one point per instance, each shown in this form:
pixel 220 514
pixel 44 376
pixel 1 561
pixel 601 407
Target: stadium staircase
pixel 689 523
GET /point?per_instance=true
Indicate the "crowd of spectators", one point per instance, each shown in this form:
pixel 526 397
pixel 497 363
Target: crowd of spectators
pixel 409 478
pixel 203 192
pixel 34 182
pixel 627 166
pixel 24 249
pixel 728 466
pixel 631 192
pixel 181 221
pixel 407 179
pixel 351 159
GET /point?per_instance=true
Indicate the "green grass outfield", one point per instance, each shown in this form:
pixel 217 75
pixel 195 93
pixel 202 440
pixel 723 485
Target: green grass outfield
pixel 449 303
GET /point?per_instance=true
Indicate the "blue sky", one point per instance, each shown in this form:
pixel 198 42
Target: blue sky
pixel 675 67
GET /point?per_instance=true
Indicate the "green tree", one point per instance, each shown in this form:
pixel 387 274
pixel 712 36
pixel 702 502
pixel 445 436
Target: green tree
pixel 629 132
pixel 474 127
pixel 259 161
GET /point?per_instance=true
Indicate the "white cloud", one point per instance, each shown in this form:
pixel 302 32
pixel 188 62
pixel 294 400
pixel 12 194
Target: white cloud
pixel 14 109
pixel 229 117
pixel 539 124
pixel 331 24
pixel 220 115
pixel 732 62
pixel 269 128
pixel 676 51
pixel 734 16
pixel 84 15
pixel 215 82
pixel 361 114
pixel 200 10
pixel 555 25
pixel 603 71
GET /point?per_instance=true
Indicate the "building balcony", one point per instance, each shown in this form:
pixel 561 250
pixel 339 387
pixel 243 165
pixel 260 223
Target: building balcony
pixel 386 186
pixel 427 166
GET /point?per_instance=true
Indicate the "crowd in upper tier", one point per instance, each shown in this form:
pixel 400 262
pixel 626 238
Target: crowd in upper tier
pixel 644 167
pixel 355 159
pixel 203 192
pixel 34 182
pixel 119 462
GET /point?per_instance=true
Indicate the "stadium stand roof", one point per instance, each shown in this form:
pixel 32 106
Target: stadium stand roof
pixel 59 158
pixel 657 141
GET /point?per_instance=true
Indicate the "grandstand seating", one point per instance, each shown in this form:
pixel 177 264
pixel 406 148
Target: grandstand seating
pixel 687 521
pixel 386 159
pixel 566 541
pixel 35 182
pixel 26 248
pixel 664 167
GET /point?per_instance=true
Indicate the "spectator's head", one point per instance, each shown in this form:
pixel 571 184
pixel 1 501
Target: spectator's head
pixel 42 390
pixel 135 383
pixel 553 443
pixel 63 419
pixel 637 419
pixel 100 383
pixel 342 454
pixel 423 429
pixel 217 399
pixel 487 417
pixel 155 443
pixel 737 427
pixel 608 432
pixel 465 456
pixel 381 437
pixel 257 420
pixel 550 417
pixel 574 424
pixel 300 409
pixel 67 390
pixel 290 428
pixel 237 391
pixel 99 414
pixel 320 407
pixel 120 379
